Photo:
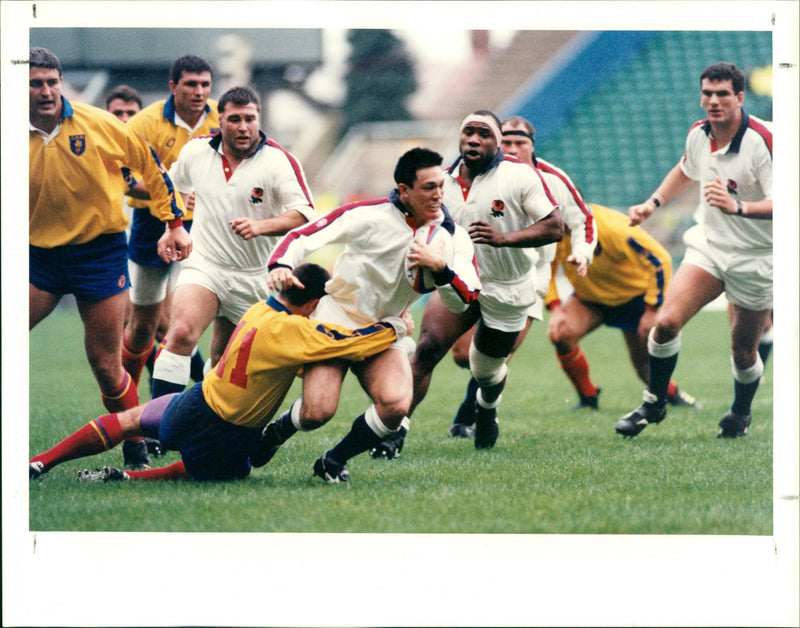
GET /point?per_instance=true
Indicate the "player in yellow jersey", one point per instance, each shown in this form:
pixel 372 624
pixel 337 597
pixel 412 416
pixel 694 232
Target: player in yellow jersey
pixel 76 221
pixel 623 287
pixel 166 125
pixel 217 424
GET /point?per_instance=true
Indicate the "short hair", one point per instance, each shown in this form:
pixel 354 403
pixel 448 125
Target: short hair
pixel 313 277
pixel 520 121
pixel 415 159
pixel 724 71
pixel 239 96
pixel 44 58
pixel 188 63
pixel 124 92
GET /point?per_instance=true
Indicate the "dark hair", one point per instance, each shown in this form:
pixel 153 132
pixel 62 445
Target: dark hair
pixel 724 71
pixel 313 277
pixel 124 92
pixel 239 96
pixel 415 159
pixel 44 58
pixel 188 63
pixel 520 121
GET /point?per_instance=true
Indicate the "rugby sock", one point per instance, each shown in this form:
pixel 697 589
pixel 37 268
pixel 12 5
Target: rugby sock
pixel 662 360
pixel 466 411
pixel 745 385
pixel 124 397
pixel 171 373
pixel 174 471
pixel 765 345
pixel 367 431
pixel 133 361
pixel 197 365
pixel 95 437
pixel 576 368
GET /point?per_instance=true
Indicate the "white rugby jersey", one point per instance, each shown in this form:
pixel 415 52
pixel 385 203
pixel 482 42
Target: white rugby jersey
pixel 745 166
pixel 368 280
pixel 510 195
pixel 268 183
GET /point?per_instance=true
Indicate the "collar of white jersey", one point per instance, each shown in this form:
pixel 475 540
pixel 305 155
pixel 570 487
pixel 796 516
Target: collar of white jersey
pixel 736 142
pixel 216 141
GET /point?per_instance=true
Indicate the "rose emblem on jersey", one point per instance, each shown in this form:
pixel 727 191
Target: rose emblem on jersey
pixel 732 186
pixel 257 196
pixel 77 144
pixel 498 207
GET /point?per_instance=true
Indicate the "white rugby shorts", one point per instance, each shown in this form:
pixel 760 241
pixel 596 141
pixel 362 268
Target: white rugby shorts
pixel 149 283
pixel 747 276
pixel 236 289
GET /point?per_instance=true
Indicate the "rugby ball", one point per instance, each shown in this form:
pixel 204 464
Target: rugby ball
pixel 421 279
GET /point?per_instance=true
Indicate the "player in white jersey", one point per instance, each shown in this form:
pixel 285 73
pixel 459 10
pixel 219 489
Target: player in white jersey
pixel 368 283
pixel 249 191
pixel 729 250
pixel 508 211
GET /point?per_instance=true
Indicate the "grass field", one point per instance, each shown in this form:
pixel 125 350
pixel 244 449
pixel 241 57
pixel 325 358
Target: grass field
pixel 553 471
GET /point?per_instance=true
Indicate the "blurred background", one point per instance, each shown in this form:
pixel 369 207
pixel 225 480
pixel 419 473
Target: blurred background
pixel 612 108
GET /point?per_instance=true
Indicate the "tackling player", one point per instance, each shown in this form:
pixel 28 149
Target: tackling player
pixel 217 424
pixel 77 225
pixel 729 251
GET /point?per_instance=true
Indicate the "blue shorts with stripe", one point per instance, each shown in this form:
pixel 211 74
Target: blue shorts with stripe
pixel 211 448
pixel 92 271
pixel 626 316
pixel 146 230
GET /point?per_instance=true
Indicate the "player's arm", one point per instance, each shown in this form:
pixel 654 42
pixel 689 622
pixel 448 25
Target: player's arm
pixel 247 228
pixel 460 285
pixel 673 184
pixel 548 229
pixel 717 195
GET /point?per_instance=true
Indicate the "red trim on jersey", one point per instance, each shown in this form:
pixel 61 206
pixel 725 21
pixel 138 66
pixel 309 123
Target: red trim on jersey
pixel 590 231
pixel 226 168
pixel 296 167
pixel 763 131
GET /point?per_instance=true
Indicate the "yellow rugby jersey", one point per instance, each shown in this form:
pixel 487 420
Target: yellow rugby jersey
pixel 76 183
pixel 264 355
pixel 156 123
pixel 628 262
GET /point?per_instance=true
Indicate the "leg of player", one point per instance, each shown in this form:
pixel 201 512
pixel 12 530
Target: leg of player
pixel 746 328
pixel 568 324
pixel 194 308
pixel 386 378
pixel 461 427
pixel 488 353
pixel 40 305
pixel 220 335
pixel 691 289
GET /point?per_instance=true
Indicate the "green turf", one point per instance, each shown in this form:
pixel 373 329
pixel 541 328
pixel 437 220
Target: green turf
pixel 553 471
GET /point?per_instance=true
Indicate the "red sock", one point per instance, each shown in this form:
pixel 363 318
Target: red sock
pixel 577 369
pixel 93 438
pixel 672 388
pixel 124 397
pixel 134 361
pixel 174 471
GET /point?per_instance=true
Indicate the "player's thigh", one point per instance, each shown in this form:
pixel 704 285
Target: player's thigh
pixel 691 289
pixel 576 319
pixel 220 334
pixel 386 378
pixel 193 309
pixel 102 323
pixel 322 386
pixel 40 305
pixel 439 329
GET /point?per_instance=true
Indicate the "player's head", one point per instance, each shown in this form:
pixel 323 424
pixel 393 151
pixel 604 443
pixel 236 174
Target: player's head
pixel 303 300
pixel 480 139
pixel 518 138
pixel 722 93
pixel 190 86
pixel 239 121
pixel 724 71
pixel 45 84
pixel 123 101
pixel 189 64
pixel 420 183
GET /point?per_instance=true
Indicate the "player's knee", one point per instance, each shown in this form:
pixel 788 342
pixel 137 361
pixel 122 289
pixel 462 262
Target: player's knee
pixel 744 357
pixel 315 414
pixel 667 326
pixel 486 370
pixel 461 355
pixel 181 338
pixel 429 352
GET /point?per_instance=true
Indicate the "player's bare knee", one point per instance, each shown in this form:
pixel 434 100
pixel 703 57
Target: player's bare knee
pixel 428 354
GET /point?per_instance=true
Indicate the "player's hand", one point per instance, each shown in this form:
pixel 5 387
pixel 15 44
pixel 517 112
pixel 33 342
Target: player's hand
pixel 717 195
pixel 426 256
pixel 175 245
pixel 637 214
pixel 281 278
pixel 580 263
pixel 482 232
pixel 245 228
